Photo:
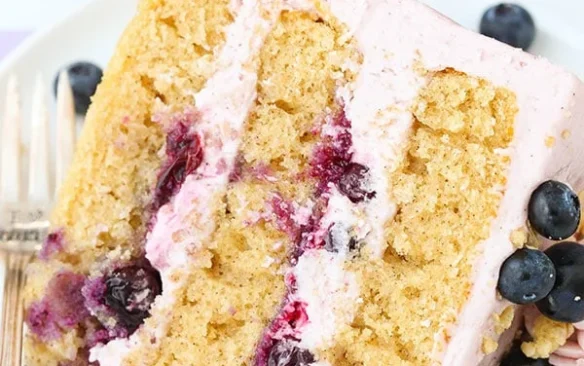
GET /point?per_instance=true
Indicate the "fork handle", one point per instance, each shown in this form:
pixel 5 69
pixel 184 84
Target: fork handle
pixel 13 309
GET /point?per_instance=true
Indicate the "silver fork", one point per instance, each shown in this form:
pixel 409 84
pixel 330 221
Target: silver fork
pixel 24 213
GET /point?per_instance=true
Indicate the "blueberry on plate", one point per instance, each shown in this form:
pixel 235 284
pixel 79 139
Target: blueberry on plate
pixel 510 24
pixel 527 276
pixel 287 353
pixel 84 78
pixel 565 302
pixel 515 357
pixel 554 210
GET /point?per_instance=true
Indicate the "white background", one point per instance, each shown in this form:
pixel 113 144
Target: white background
pixel 35 14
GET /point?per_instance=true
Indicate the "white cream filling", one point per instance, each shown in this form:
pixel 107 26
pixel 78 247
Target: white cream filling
pixel 330 293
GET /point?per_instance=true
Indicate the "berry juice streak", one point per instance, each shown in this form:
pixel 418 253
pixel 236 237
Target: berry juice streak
pixel 330 161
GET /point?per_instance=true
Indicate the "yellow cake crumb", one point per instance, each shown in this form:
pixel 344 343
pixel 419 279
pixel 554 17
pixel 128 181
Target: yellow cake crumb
pixel 550 141
pixel 519 238
pixel 504 320
pixel 566 134
pixel 548 335
pixel 489 345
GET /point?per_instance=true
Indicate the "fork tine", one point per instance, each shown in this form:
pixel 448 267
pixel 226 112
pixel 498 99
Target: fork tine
pixel 11 173
pixel 66 133
pixel 38 178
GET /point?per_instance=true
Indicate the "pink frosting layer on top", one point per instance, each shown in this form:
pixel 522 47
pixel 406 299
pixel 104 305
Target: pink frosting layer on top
pixel 393 36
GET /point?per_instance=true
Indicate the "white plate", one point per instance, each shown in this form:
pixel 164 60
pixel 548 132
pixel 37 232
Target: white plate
pixel 91 34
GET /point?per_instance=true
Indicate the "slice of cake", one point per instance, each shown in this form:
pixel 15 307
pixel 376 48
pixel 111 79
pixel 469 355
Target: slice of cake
pixel 297 182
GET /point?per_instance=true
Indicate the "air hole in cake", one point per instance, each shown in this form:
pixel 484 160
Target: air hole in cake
pixel 184 155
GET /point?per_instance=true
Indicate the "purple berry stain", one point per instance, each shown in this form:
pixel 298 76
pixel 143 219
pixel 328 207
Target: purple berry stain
pixel 62 307
pixel 184 155
pixel 332 155
pixel 286 325
pixel 54 243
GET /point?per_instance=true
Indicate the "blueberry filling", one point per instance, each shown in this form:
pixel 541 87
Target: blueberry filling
pixel 554 210
pixel 185 155
pixel 130 292
pixel 338 239
pixel 84 78
pixel 353 183
pixel 527 276
pixel 565 302
pixel 287 353
pixel 510 24
pixel 333 156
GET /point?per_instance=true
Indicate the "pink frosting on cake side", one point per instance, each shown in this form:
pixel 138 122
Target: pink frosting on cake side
pixel 413 34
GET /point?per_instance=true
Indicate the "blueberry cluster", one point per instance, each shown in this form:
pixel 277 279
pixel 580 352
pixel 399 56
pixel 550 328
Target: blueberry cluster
pixel 552 280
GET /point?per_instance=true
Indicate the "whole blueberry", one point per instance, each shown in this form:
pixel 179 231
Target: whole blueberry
pixel 565 302
pixel 515 357
pixel 287 353
pixel 554 210
pixel 510 24
pixel 353 183
pixel 527 276
pixel 130 292
pixel 84 78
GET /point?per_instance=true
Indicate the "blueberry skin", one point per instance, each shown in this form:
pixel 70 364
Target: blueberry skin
pixel 565 303
pixel 353 183
pixel 287 353
pixel 554 210
pixel 510 24
pixel 84 78
pixel 527 276
pixel 515 357
pixel 338 239
pixel 130 292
